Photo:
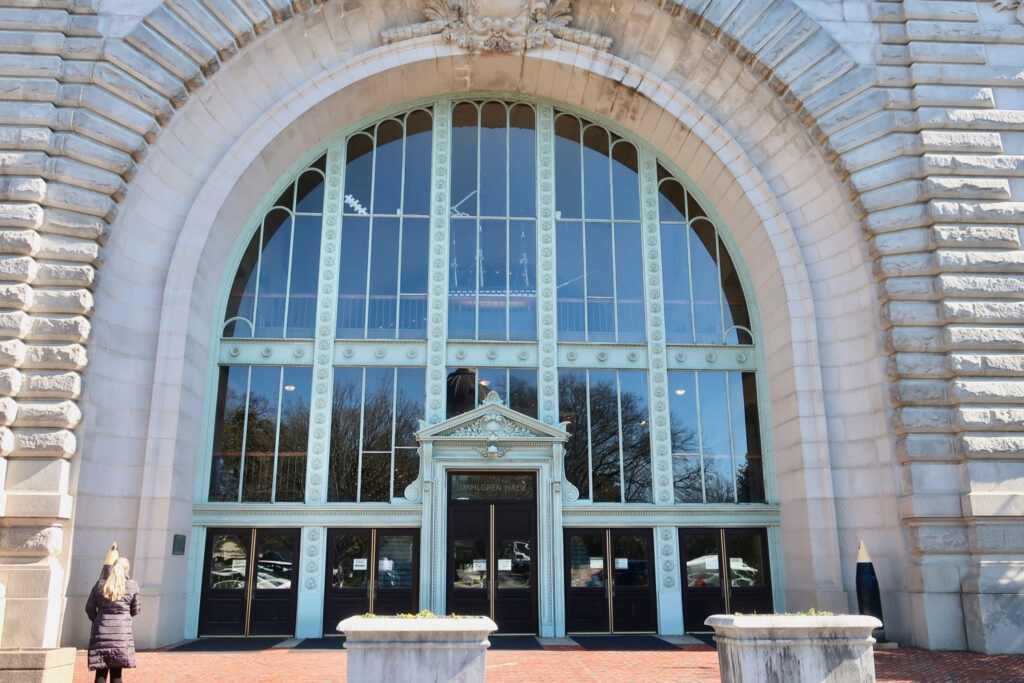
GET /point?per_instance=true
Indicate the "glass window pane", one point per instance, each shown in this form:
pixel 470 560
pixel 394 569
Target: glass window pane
pixel 522 161
pixel 688 478
pixel 354 261
pixel 358 174
pixel 463 391
pixel 395 554
pixel 229 433
pixel 625 182
pixel 605 441
pixel 414 266
pixel 707 291
pixel 586 560
pixel 714 413
pixel 636 438
pixel 629 557
pixel 629 283
pixel 568 162
pixel 345 428
pixel 746 560
pixel 410 405
pixel 494 151
pixel 229 561
pixel 294 434
pixel 703 563
pixel 351 560
pixel 750 472
pixel 241 309
pixel 572 409
pixel 305 268
pixel 274 562
pixel 309 189
pixel 383 284
pixel 597 190
pixel 375 478
pixel 418 146
pixel 675 271
pixel 737 320
pixel 570 278
pixel 261 434
pixel 273 274
pixel 377 404
pixel 522 391
pixel 387 181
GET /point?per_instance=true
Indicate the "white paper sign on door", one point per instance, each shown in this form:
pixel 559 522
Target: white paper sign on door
pixel 479 565
pixel 359 564
pixel 504 565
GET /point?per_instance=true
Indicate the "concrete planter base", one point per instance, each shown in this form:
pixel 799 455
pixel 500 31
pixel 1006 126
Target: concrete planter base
pixel 37 665
pixel 398 650
pixel 772 648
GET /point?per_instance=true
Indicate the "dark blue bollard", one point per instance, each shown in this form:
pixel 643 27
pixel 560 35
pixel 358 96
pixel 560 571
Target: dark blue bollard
pixel 869 599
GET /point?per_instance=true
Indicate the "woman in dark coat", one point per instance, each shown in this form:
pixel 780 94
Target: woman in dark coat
pixel 111 605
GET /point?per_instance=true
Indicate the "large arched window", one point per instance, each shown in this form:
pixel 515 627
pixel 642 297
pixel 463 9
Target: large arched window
pixel 642 342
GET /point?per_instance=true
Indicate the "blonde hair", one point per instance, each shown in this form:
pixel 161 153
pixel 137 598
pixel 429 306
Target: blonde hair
pixel 114 587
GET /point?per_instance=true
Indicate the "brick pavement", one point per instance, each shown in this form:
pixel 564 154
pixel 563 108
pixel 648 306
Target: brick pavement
pixel 685 664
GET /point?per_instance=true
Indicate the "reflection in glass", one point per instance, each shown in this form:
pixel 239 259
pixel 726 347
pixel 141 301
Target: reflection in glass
pixel 715 437
pixel 351 560
pixel 229 561
pixel 261 432
pixel 586 561
pixel 630 559
pixel 274 562
pixel 746 563
pixel 609 458
pixel 375 416
pixel 467 387
pixel 470 558
pixel 702 561
pixel 394 561
pixel 514 563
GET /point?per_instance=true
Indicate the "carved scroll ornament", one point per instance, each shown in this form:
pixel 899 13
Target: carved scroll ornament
pixel 498 25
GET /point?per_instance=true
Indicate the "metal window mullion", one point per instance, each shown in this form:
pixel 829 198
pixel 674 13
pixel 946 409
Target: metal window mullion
pixel 320 407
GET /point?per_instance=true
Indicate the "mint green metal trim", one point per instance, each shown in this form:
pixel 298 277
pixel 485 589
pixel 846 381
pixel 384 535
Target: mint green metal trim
pixel 437 297
pixel 547 323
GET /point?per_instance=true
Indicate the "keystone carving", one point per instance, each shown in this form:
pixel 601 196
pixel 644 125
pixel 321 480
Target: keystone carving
pixel 498 25
pixel 1012 4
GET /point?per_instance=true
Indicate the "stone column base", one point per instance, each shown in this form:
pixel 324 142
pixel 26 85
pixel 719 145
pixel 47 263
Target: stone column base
pixel 37 665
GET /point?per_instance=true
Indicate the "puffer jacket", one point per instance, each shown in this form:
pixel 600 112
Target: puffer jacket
pixel 111 644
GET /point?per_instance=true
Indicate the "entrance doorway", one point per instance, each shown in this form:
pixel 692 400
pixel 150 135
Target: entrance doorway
pixel 726 571
pixel 610 577
pixel 370 570
pixel 248 587
pixel 492 540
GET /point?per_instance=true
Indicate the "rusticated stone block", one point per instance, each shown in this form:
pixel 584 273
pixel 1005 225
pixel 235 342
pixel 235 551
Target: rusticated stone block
pixel 55 357
pixel 980 391
pixel 916 339
pixel 72 301
pixel 986 419
pixel 72 329
pixel 63 248
pixel 28 216
pixel 22 242
pixel 8 410
pixel 981 286
pixel 992 445
pixel 988 337
pixel 17 189
pixel 927 447
pixel 920 419
pixel 66 275
pixel 994 312
pixel 12 351
pixel 51 443
pixel 18 268
pixel 15 324
pixel 43 414
pixel 31 541
pixel 75 224
pixel 6 441
pixel 991 364
pixel 920 392
pixel 10 381
pixel 50 384
pixel 18 296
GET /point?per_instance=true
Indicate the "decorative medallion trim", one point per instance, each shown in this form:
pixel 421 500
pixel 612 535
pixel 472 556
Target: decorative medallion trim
pixel 498 25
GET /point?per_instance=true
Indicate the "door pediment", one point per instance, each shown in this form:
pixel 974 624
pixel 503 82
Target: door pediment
pixel 492 428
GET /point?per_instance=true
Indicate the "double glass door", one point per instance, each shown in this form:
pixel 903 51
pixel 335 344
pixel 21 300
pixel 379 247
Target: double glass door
pixel 248 587
pixel 492 533
pixel 370 570
pixel 610 577
pixel 727 571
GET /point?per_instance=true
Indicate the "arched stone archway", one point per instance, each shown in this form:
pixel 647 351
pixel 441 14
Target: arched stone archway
pixel 187 120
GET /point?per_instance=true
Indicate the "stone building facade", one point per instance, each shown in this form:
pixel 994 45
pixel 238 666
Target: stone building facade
pixel 865 162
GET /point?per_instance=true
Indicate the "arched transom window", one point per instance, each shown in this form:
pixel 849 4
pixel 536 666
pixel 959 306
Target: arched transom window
pixel 464 247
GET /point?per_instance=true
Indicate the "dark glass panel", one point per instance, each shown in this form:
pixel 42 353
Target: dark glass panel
pixel 377 404
pixel 383 305
pixel 275 562
pixel 414 266
pixel 625 181
pixel 462 391
pixel 464 197
pixel 494 151
pixel 568 167
pixel 750 473
pixel 395 561
pixel 304 271
pixel 294 434
pixel 375 479
pixel 407 467
pixel 261 434
pixel 354 261
pixel 345 424
pixel 418 164
pixel 410 406
pixel 714 421
pixel 685 430
pixel 522 391
pixel 605 442
pixel 707 289
pixel 746 560
pixel 703 564
pixel 737 320
pixel 629 283
pixel 597 189
pixel 229 561
pixel 358 174
pixel 688 478
pixel 636 437
pixel 586 560
pixel 675 269
pixel 522 161
pixel 387 180
pixel 600 283
pixel 671 199
pixel 240 313
pixel 351 553
pixel 630 558
pixel 273 274
pixel 572 409
pixel 570 277
pixel 309 191
pixel 718 479
pixel 229 433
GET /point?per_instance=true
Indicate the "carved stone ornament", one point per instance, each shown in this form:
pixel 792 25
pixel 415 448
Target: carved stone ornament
pixel 498 25
pixel 1012 4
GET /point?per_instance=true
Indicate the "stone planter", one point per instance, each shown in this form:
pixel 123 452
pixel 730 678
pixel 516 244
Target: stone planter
pixel 787 648
pixel 409 650
pixel 37 665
